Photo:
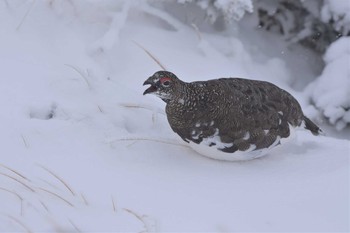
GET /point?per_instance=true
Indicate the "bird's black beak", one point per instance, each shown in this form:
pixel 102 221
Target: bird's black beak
pixel 152 88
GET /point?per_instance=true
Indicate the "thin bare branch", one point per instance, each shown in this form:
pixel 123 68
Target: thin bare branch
pixel 150 55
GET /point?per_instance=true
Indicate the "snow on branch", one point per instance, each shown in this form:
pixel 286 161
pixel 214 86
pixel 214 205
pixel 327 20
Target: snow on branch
pixel 331 91
pixel 338 14
pixel 111 37
pixel 229 9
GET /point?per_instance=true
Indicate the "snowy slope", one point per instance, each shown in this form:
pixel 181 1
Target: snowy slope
pixel 83 150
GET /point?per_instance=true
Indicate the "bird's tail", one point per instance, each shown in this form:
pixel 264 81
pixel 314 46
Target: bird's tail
pixel 315 130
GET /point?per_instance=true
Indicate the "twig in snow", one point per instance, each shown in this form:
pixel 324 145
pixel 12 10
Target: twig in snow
pixel 150 55
pixel 60 179
pixel 19 223
pixel 58 196
pixel 12 170
pixel 15 179
pixel 25 15
pixel 81 74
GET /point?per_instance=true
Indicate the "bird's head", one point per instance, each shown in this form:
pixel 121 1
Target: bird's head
pixel 164 84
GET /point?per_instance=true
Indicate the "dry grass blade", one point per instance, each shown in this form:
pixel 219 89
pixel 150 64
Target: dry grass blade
pixel 131 105
pixel 45 206
pixel 99 108
pixel 17 195
pixel 12 170
pixel 60 179
pixel 114 208
pixel 25 15
pixel 12 192
pixel 197 31
pixel 139 218
pixel 152 140
pixel 81 74
pixel 75 226
pixel 58 196
pixel 84 199
pixel 24 141
pixel 19 223
pixel 18 181
pixel 150 55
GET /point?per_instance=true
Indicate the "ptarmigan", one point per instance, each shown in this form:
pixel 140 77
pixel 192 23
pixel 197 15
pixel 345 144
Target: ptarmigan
pixel 229 118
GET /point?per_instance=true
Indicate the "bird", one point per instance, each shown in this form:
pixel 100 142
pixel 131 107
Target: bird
pixel 230 119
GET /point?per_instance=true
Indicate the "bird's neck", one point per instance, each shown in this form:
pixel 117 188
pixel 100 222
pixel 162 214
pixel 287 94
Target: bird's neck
pixel 185 94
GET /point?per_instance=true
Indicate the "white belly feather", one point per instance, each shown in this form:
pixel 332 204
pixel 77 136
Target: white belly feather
pixel 213 152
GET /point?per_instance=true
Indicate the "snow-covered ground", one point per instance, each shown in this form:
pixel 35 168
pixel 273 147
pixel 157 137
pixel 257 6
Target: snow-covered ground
pixel 83 150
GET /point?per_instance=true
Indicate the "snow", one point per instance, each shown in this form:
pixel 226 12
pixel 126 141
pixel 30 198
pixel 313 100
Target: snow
pixel 234 9
pixel 331 91
pixel 83 150
pixel 339 11
pixel 229 9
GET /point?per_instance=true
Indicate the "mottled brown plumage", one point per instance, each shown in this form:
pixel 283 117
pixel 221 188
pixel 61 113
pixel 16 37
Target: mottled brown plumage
pixel 230 114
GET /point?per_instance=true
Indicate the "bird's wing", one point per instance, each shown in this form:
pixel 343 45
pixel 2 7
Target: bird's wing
pixel 256 113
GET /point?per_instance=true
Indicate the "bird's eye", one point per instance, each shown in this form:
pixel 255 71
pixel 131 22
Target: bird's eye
pixel 166 83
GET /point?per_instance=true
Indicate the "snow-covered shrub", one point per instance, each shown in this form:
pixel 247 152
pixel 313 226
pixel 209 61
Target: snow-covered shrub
pixel 331 91
pixel 229 9
pixel 337 13
pixel 300 21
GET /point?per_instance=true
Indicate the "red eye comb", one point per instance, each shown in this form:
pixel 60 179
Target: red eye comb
pixel 164 79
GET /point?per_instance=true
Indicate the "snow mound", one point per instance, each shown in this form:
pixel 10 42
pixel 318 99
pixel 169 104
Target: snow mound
pixel 51 204
pixel 338 12
pixel 331 91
